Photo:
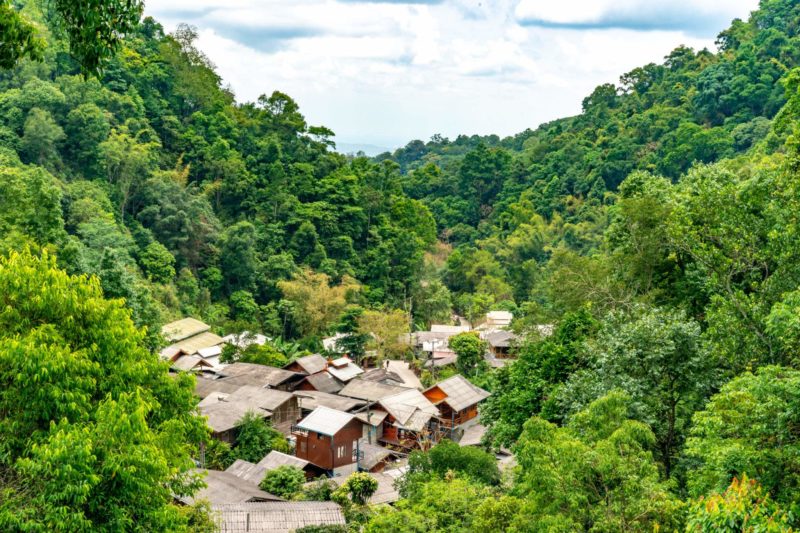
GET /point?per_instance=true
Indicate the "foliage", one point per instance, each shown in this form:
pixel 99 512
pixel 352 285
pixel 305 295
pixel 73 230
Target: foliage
pixel 749 428
pixel 386 332
pixel 360 486
pixel 315 304
pixel 470 349
pixel 447 458
pixel 95 433
pixel 284 481
pixel 744 506
pixel 595 474
pixel 255 438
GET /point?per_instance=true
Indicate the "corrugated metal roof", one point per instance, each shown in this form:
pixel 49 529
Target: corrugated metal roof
pixel 410 409
pixel 191 345
pixel 311 364
pixel 204 386
pixel 183 329
pixel 254 374
pixel 500 338
pixel 324 382
pixel 277 517
pixel 247 471
pixel 211 351
pixel 275 459
pixel 460 392
pixel 326 421
pixel 224 488
pixel 344 370
pixel 310 400
pixel 373 417
pixel 189 362
pixel 370 390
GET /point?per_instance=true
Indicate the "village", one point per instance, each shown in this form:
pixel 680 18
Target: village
pixel 337 417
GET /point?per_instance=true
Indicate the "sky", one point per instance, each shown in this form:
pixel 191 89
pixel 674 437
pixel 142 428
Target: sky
pixel 384 72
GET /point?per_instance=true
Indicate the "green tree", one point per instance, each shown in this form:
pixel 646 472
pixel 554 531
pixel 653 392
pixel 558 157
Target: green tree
pixel 157 263
pixel 595 474
pixel 40 139
pixel 447 458
pixel 360 486
pixel 470 350
pixel 255 438
pixel 748 428
pixel 95 435
pixel 744 506
pixel 284 481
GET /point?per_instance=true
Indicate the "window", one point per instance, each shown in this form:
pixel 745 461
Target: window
pixel 340 451
pixel 303 446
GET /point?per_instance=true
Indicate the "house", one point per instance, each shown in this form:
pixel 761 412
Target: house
pixel 373 458
pixel 322 382
pixel 259 376
pixel 224 488
pixel 370 391
pixel 497 320
pixel 310 364
pixel 344 369
pixel 310 400
pixel 191 363
pixel 408 423
pixel 189 336
pixel 457 399
pixel 372 420
pixel 225 409
pixel 329 439
pixel 277 517
pixel 255 472
pixel 440 360
pixel 382 375
pixel 500 343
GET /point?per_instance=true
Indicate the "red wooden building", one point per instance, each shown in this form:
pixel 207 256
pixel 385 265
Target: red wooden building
pixel 328 439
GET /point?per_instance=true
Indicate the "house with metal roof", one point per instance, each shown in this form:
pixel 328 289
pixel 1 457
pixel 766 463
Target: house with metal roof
pixel 277 517
pixel 328 439
pixel 371 391
pixel 409 420
pixel 457 399
pixel 344 369
pixel 187 337
pixel 260 376
pixel 310 400
pixel 225 488
pixel 225 409
pixel 255 472
pixel 310 364
pixel 322 382
pixel 500 342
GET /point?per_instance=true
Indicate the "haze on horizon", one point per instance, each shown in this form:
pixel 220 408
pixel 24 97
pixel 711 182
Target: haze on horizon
pixel 384 72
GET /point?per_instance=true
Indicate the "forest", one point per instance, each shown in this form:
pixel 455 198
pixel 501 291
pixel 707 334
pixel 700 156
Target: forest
pixel 657 231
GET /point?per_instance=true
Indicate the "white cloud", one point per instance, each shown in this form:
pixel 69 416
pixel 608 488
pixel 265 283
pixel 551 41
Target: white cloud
pixel 387 72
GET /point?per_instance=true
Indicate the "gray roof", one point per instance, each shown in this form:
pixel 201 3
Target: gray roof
pixel 255 472
pixel 324 382
pixel 326 421
pixel 311 364
pixel 183 329
pixel 500 338
pixel 254 374
pixel 274 459
pixel 311 399
pixel 372 417
pixel 224 410
pixel 437 362
pixel 204 386
pixel 277 517
pixel 344 369
pixel 189 362
pixel 371 454
pixel 224 488
pixel 410 409
pixel 460 392
pixel 192 345
pixel 247 471
pixel 384 376
pixel 370 390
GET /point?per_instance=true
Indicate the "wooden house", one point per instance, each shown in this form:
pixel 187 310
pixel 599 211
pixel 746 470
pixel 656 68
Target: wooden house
pixel 457 400
pixel 225 409
pixel 409 423
pixel 500 343
pixel 328 439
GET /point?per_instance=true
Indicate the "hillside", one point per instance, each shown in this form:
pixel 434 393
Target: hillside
pixel 657 232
